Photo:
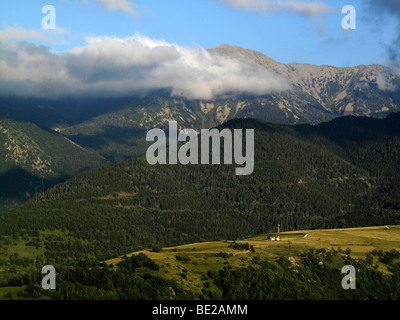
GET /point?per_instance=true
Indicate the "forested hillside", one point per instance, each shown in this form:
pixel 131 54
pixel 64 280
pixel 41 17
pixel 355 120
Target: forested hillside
pixel 304 178
pixel 33 159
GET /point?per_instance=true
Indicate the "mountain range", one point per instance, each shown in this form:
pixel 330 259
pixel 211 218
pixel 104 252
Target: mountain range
pixel 317 94
pixel 50 135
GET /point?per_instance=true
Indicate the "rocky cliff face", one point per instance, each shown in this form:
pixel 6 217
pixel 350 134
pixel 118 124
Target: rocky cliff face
pixel 321 92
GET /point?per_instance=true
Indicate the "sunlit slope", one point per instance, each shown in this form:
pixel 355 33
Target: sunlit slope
pixel 197 260
pixel 32 159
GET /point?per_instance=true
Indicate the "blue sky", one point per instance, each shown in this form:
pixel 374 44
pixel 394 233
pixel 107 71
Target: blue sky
pixel 125 47
pixel 283 35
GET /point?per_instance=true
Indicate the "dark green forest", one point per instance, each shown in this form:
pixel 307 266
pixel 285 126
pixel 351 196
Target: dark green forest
pixel 341 174
pixel 344 173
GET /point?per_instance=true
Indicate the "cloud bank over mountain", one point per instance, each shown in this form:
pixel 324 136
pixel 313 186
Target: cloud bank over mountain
pixel 112 66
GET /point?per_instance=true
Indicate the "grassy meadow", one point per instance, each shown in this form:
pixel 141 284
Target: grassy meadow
pixel 189 264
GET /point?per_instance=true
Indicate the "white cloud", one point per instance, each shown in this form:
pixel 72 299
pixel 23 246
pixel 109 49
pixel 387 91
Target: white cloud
pixel 307 8
pixel 123 5
pixel 263 6
pixel 18 34
pixel 384 84
pixel 137 64
pixel 251 5
pixel 12 35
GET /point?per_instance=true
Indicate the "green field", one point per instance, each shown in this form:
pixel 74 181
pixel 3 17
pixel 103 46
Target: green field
pixel 201 257
pixel 22 254
pixel 193 267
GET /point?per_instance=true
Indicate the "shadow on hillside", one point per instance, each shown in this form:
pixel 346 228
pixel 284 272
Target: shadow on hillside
pixel 18 186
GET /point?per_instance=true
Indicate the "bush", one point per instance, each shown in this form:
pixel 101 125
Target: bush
pixel 182 258
pixel 223 255
pixel 241 246
pixel 156 248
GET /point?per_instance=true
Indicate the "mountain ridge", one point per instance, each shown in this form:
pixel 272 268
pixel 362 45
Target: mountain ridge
pixel 115 128
pixel 367 74
pixel 299 181
pixel 317 94
pixel 32 159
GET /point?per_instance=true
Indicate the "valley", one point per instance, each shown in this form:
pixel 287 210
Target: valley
pixel 224 155
pixel 46 141
pixel 340 174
